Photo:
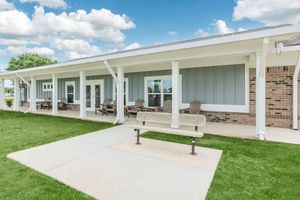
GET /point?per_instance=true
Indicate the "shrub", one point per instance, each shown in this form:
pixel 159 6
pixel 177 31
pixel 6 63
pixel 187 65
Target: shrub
pixel 9 102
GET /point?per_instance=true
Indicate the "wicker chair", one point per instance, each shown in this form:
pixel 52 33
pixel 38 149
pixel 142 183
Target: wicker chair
pixel 195 108
pixel 133 110
pixel 103 107
pixel 62 104
pixel 111 108
pixel 167 107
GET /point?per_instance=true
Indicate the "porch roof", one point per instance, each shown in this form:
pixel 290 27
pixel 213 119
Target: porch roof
pixel 238 43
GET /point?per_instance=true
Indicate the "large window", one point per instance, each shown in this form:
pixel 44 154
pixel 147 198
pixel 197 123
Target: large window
pixel 125 91
pixel 159 89
pixel 70 91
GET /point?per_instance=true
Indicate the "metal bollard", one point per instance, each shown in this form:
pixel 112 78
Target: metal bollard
pixel 138 136
pixel 193 146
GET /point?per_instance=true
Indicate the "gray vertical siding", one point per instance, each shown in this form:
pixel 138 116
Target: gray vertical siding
pixel 214 85
pixel 210 85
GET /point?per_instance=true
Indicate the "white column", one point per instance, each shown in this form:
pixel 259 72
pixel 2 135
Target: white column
pixel 120 92
pixel 54 95
pixel 261 60
pixel 175 95
pixel 2 92
pixel 295 94
pixel 17 95
pixel 82 95
pixel 33 95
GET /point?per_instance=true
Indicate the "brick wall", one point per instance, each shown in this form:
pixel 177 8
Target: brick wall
pixel 278 100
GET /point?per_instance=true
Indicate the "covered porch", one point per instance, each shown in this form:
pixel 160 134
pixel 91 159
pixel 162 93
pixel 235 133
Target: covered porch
pixel 214 71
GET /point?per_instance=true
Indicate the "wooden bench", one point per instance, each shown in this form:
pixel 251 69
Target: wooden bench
pixel 166 118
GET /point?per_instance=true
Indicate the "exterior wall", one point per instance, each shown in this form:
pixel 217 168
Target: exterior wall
pixel 278 100
pixel 214 85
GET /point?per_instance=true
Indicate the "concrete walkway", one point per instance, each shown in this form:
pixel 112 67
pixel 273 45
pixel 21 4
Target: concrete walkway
pixel 109 166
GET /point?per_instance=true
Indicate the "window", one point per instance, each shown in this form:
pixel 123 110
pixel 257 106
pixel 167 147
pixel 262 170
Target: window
pixel 159 89
pixel 125 91
pixel 47 87
pixel 70 91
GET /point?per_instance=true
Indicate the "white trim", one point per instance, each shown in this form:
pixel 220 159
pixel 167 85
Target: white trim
pixel 220 108
pixel 66 92
pixel 126 92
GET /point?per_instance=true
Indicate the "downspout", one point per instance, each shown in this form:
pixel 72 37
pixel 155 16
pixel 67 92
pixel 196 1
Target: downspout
pixel 112 73
pixel 295 93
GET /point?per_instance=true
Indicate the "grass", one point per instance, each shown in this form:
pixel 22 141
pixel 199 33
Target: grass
pixel 19 131
pixel 249 169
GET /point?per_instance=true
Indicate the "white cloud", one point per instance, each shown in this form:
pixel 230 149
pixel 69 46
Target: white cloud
pixel 219 27
pixel 202 33
pixel 12 50
pixel 172 33
pixel 5 5
pixel 59 31
pixel 48 3
pixel 269 12
pixel 12 42
pixel 133 46
pixel 76 48
pixel 98 24
pixel 222 27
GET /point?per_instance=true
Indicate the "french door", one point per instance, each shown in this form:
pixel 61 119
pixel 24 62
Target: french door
pixel 94 94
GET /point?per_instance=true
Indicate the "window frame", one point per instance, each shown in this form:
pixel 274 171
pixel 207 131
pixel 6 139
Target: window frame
pixel 162 93
pixel 47 87
pixel 67 83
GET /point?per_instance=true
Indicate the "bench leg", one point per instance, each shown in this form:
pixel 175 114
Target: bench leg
pixel 193 146
pixel 138 136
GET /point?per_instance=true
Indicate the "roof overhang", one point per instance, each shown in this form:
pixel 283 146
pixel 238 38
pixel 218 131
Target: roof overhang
pixel 239 43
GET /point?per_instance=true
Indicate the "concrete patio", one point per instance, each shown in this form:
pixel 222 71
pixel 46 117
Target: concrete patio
pixel 214 128
pixel 109 166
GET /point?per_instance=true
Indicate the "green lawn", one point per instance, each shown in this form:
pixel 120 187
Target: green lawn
pixel 20 131
pixel 249 169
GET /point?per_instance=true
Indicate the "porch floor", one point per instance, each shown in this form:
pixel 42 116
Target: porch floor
pixel 214 128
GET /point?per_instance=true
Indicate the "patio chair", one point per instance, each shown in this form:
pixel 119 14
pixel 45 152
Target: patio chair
pixel 103 107
pixel 167 107
pixel 139 103
pixel 62 105
pixel 47 104
pixel 111 108
pixel 193 109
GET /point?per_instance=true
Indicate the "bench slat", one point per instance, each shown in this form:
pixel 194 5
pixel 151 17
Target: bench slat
pixel 169 130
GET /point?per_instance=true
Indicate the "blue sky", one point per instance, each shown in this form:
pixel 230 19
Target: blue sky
pixel 68 29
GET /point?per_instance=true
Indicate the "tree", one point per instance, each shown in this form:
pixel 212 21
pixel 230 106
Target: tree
pixel 29 60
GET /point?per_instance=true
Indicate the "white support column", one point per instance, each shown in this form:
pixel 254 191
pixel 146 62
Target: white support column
pixel 16 95
pixel 54 95
pixel 120 97
pixel 33 95
pixel 82 95
pixel 295 94
pixel 2 92
pixel 261 60
pixel 175 95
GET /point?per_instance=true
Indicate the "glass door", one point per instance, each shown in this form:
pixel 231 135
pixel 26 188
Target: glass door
pixel 94 94
pixel 97 96
pixel 88 97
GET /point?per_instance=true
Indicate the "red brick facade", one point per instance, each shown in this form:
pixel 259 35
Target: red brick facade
pixel 279 85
